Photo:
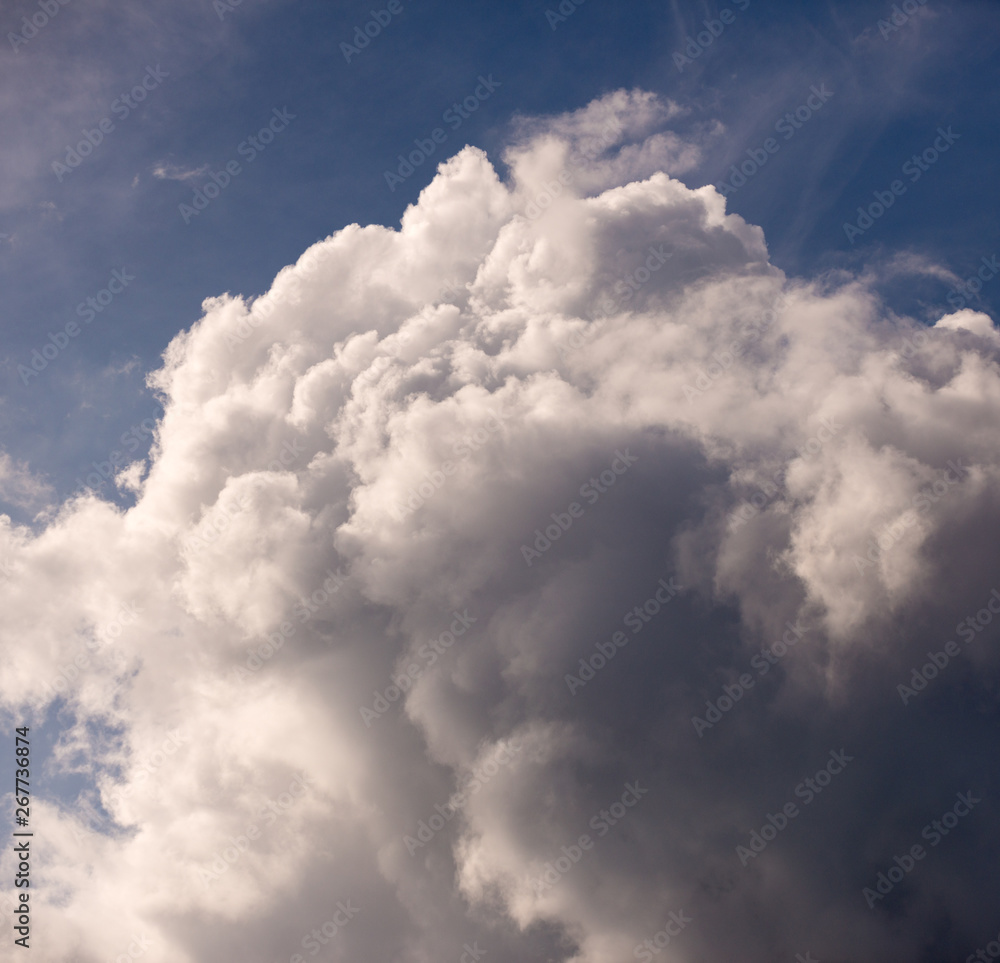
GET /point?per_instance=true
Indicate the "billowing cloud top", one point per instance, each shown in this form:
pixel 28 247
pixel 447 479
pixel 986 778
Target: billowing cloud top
pixel 551 578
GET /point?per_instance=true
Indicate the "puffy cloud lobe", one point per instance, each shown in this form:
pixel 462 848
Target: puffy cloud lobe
pixel 409 408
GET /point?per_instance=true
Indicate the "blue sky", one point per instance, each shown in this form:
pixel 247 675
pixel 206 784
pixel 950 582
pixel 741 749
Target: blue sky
pixel 226 74
pixel 791 373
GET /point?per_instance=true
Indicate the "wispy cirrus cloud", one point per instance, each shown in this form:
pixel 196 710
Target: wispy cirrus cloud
pixel 165 171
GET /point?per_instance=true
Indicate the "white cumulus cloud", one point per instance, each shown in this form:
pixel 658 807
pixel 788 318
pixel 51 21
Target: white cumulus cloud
pixel 343 486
